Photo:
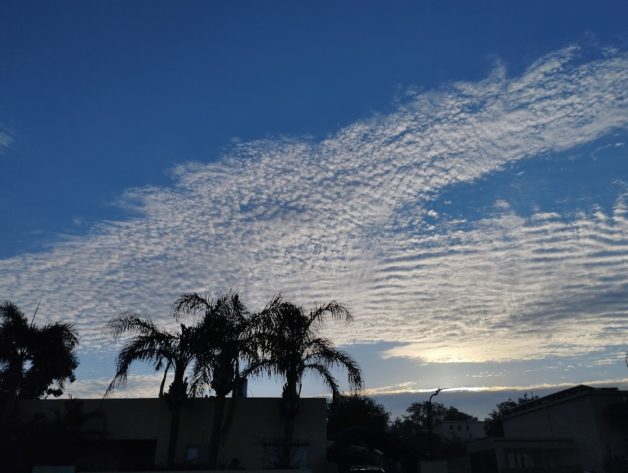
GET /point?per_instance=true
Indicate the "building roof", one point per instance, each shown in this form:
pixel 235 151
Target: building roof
pixel 561 396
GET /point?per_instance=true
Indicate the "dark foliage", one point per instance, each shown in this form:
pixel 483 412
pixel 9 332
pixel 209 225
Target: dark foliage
pixel 350 416
pixel 419 413
pixel 35 361
pixel 412 430
pixel 41 359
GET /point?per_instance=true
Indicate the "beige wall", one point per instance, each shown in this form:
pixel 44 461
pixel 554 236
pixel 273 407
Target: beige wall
pixel 255 422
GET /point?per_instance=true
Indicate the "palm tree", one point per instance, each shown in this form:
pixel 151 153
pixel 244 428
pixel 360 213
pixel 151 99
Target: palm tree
pixel 34 361
pixel 163 349
pixel 226 336
pixel 291 346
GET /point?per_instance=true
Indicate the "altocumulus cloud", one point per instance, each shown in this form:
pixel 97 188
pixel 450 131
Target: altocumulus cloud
pixel 347 218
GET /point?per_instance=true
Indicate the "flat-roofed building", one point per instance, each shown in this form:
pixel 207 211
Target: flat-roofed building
pixel 577 429
pixel 132 434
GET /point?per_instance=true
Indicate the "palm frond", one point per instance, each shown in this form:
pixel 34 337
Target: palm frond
pixel 323 352
pixel 191 303
pixel 133 324
pixel 141 348
pixel 334 309
pixel 324 373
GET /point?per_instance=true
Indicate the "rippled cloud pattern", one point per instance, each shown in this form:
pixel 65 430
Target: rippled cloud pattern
pixel 350 217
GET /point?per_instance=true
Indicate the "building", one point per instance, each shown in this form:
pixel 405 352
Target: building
pixel 132 434
pixel 578 429
pixel 460 430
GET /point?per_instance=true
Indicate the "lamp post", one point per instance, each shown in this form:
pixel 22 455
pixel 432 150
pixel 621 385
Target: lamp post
pixel 429 420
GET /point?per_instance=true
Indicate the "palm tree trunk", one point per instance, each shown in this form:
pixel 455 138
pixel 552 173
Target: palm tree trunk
pixel 288 434
pixel 216 434
pixel 176 396
pixel 163 381
pixel 290 404
pixel 175 417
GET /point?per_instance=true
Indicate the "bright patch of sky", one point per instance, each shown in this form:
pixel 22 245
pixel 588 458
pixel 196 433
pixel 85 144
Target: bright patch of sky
pixel 457 175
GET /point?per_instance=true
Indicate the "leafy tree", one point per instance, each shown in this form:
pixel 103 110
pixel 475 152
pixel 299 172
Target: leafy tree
pixel 226 335
pixel 356 420
pixel 451 413
pixel 419 414
pixel 413 429
pixel 291 346
pixel 34 361
pixel 163 349
pixel 406 430
pixel 493 425
pixel 357 412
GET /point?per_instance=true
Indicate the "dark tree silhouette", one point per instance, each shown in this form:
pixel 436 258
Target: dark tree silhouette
pixel 413 429
pixel 35 361
pixel 227 335
pixel 350 412
pixel 291 346
pixel 356 418
pixel 165 350
pixel 419 414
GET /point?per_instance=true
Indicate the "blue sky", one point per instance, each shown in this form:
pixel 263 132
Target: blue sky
pixel 454 171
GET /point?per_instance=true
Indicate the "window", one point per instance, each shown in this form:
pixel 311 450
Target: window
pixel 192 455
pixel 298 455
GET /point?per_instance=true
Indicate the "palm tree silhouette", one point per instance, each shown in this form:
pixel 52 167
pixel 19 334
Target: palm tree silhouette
pixel 227 335
pixel 163 349
pixel 292 346
pixel 34 361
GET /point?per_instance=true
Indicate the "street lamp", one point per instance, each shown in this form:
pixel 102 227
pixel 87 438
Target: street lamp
pixel 429 419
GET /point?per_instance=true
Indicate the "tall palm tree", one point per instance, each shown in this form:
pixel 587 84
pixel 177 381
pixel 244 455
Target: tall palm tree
pixel 226 336
pixel 34 360
pixel 291 346
pixel 163 349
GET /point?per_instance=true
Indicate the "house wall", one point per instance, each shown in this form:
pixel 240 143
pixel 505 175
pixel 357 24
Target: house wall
pixel 463 431
pixel 255 422
pixel 581 418
pixel 495 454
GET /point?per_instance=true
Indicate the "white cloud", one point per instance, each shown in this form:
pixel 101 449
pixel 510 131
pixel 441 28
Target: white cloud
pixel 5 140
pixel 94 388
pixel 512 288
pixel 407 388
pixel 343 218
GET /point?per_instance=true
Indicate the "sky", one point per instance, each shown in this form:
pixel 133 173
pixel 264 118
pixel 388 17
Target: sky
pixel 454 172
